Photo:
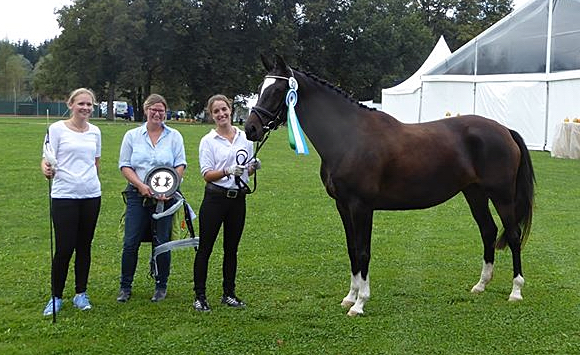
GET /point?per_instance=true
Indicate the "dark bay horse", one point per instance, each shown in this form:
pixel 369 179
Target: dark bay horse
pixel 371 161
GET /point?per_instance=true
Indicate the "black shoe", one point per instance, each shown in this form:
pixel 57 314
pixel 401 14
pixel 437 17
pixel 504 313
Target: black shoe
pixel 200 304
pixel 233 301
pixel 124 295
pixel 159 295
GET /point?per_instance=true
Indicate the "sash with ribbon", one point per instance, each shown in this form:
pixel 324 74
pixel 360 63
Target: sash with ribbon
pixel 295 134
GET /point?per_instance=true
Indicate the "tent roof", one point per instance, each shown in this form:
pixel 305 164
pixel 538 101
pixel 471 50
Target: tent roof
pixel 543 36
pixel 438 54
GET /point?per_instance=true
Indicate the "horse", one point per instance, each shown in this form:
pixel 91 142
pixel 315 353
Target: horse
pixel 371 161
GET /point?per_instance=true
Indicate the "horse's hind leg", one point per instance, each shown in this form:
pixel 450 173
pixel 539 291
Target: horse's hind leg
pixel 478 203
pixel 512 234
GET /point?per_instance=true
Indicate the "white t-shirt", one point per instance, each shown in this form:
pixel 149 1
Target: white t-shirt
pixel 217 153
pixel 76 173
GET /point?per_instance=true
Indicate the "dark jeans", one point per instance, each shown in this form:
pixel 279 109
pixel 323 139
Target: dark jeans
pixel 139 224
pixel 74 221
pixel 216 209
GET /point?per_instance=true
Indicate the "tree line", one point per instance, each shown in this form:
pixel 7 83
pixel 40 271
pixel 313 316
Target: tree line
pixel 190 49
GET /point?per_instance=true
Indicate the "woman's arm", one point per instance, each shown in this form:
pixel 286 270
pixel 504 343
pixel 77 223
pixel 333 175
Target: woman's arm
pixel 132 177
pixel 98 165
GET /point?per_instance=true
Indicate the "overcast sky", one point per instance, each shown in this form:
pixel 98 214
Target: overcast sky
pixel 35 21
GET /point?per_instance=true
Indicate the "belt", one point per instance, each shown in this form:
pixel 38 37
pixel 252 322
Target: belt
pixel 229 193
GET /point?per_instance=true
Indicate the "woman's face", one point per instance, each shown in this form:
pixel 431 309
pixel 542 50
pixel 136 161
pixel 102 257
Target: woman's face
pixel 220 112
pixel 82 106
pixel 156 113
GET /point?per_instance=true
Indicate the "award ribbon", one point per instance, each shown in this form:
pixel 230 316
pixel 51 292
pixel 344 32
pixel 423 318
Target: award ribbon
pixel 295 134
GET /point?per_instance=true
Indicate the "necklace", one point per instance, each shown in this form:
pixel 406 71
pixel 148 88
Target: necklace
pixel 75 127
pixel 228 135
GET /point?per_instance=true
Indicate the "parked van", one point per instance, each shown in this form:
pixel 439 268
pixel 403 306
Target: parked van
pixel 120 109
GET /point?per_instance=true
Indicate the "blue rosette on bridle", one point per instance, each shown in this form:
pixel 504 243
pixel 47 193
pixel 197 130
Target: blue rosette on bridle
pixel 295 134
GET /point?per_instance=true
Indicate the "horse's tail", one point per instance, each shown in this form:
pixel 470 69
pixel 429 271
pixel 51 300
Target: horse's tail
pixel 524 193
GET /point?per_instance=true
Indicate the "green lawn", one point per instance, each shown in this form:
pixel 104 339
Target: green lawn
pixel 293 269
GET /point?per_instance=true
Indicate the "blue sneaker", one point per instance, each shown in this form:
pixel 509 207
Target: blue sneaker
pixel 57 306
pixel 81 301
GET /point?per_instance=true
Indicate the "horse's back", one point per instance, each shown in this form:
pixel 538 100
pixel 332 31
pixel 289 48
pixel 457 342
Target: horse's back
pixel 422 165
pixel 478 136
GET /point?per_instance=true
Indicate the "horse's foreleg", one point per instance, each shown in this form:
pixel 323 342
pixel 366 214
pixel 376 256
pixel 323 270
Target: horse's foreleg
pixel 362 296
pixel 516 294
pixel 486 276
pixel 357 296
pixel 357 221
pixel 350 298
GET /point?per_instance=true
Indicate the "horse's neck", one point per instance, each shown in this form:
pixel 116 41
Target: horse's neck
pixel 329 119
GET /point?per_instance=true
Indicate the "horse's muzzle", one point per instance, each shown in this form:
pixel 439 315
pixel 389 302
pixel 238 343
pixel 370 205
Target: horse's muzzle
pixel 253 128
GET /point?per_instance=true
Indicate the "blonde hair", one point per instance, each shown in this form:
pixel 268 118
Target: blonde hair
pixel 218 97
pixel 152 100
pixel 79 91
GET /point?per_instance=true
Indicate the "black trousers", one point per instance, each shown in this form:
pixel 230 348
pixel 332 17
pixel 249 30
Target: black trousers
pixel 74 222
pixel 215 210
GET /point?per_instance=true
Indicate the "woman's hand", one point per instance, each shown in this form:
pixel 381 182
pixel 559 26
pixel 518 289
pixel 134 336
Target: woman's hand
pixel 144 190
pixel 47 169
pixel 162 197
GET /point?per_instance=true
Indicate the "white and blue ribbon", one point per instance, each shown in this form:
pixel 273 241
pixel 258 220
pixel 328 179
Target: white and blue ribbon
pixel 295 134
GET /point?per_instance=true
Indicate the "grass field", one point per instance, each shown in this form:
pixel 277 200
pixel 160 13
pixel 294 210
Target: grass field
pixel 293 270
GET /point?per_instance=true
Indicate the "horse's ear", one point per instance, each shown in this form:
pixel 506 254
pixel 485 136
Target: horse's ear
pixel 266 62
pixel 280 63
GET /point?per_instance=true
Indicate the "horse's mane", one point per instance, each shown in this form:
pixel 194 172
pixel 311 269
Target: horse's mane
pixel 338 90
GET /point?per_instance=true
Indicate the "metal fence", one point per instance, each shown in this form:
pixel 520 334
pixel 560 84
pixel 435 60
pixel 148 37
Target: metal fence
pixel 32 108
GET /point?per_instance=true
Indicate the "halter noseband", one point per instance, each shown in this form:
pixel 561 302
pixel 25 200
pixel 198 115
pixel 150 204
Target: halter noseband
pixel 273 118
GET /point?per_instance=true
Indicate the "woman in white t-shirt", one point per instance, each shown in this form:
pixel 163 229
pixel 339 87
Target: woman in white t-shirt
pixel 75 195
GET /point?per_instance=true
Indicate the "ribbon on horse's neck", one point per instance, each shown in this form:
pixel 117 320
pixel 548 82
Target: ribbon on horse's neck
pixel 295 134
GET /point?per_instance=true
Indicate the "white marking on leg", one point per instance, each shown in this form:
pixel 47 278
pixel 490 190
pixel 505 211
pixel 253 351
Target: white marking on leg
pixel 364 293
pixel 486 276
pixel 350 298
pixel 516 294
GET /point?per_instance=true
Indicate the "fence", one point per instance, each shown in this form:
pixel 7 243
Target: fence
pixel 32 108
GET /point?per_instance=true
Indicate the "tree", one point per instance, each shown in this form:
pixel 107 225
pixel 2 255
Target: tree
pixel 461 20
pixel 189 50
pixel 15 73
pixel 367 45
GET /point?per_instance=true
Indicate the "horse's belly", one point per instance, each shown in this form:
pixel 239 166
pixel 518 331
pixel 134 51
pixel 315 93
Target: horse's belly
pixel 412 199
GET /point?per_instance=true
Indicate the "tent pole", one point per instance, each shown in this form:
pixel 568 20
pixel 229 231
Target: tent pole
pixel 548 69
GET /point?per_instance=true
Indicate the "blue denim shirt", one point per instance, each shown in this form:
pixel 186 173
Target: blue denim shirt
pixel 139 153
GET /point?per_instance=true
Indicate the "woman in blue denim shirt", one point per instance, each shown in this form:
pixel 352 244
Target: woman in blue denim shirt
pixel 148 146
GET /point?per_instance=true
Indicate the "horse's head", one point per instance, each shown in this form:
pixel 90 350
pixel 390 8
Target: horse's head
pixel 269 112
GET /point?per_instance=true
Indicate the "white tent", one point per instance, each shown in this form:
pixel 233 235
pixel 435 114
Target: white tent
pixel 403 101
pixel 524 72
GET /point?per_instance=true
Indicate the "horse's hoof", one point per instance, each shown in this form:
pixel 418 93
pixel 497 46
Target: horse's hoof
pixel 346 303
pixel 352 313
pixel 478 289
pixel 515 298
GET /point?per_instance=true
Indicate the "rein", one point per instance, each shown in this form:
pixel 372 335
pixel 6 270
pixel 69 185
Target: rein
pixel 244 155
pixel 274 122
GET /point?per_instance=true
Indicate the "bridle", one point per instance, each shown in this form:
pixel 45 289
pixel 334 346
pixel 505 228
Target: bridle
pixel 273 119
